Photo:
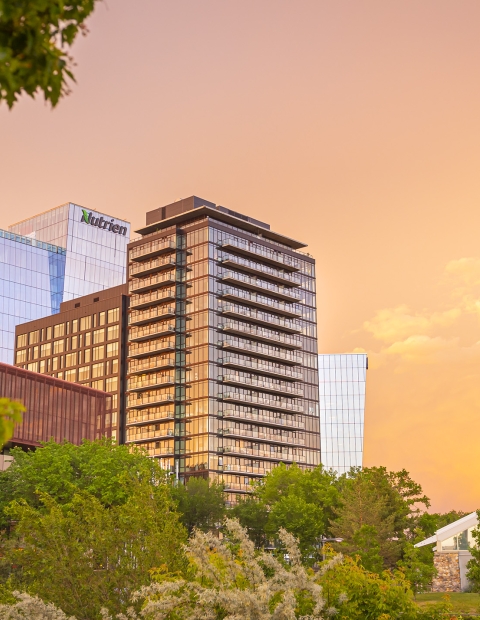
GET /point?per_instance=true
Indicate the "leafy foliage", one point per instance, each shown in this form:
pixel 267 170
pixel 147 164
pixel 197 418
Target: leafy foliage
pixel 10 414
pixel 35 36
pixel 200 503
pixel 473 565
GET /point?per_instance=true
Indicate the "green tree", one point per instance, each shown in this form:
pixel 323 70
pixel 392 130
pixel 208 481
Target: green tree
pixel 82 555
pixel 201 504
pixel 473 565
pixel 10 414
pixel 100 468
pixel 35 37
pixel 417 568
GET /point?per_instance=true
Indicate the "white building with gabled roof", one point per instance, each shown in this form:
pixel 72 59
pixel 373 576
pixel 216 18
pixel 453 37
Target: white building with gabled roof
pixel 452 553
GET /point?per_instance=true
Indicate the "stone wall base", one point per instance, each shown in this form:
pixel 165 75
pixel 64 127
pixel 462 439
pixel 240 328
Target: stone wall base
pixel 448 575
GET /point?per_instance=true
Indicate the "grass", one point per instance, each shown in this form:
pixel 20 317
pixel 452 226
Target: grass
pixel 462 602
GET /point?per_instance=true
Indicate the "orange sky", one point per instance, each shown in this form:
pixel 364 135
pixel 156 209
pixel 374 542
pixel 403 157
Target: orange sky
pixel 351 125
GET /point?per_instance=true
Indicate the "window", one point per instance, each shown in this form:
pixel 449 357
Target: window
pixel 112 384
pixel 58 346
pixel 35 352
pixel 22 340
pixel 74 343
pixel 55 365
pixel 59 330
pixel 71 359
pixel 87 356
pixel 101 318
pixel 49 333
pixel 97 370
pixel 60 375
pixel 33 366
pixel 46 349
pixel 112 332
pixel 113 315
pixel 114 367
pixel 34 337
pixel 84 373
pixel 43 366
pixel 99 336
pixel 87 339
pixel 98 353
pixel 85 323
pixel 97 385
pixel 112 349
pixel 74 326
pixel 21 356
pixel 114 405
pixel 71 375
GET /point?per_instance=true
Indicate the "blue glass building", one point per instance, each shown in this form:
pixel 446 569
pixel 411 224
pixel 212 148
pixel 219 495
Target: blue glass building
pixel 56 256
pixel 342 379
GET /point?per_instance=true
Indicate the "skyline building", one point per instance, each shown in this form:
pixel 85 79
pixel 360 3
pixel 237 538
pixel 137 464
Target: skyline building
pixel 222 345
pixel 53 257
pixel 342 382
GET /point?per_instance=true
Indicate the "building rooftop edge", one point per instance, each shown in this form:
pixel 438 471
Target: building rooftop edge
pixel 222 217
pixel 69 202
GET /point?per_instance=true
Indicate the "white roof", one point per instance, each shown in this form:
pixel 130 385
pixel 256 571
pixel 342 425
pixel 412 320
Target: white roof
pixel 452 529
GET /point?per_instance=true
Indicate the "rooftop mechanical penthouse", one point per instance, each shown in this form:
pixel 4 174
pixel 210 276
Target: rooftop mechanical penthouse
pixel 222 345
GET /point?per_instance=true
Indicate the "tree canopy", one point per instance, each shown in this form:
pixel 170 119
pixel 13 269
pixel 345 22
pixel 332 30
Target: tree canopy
pixel 10 414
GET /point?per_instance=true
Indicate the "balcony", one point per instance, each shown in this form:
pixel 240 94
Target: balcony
pixel 287 456
pixel 153 298
pixel 151 266
pixel 263 318
pixel 154 330
pixel 149 398
pixel 275 275
pixel 261 286
pixel 259 383
pixel 255 398
pixel 154 346
pixel 148 382
pixel 151 249
pixel 261 435
pixel 161 451
pixel 264 368
pixel 261 350
pixel 249 248
pixel 262 302
pixel 147 416
pixel 237 487
pixel 257 416
pixel 140 317
pixel 261 333
pixel 251 470
pixel 154 281
pixel 140 435
pixel 150 364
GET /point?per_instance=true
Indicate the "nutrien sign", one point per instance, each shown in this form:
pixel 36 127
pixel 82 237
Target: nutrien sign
pixel 100 222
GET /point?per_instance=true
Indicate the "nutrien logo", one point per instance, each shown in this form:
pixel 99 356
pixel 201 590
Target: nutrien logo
pixel 102 223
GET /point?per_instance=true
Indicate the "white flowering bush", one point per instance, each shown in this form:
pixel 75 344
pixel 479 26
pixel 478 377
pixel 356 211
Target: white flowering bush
pixel 31 608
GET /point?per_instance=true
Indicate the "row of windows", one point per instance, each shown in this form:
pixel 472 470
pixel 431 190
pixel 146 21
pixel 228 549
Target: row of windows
pixel 71 359
pixel 70 327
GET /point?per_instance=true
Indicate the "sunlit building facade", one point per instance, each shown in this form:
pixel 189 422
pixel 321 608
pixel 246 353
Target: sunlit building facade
pixel 222 346
pixel 53 257
pixel 342 381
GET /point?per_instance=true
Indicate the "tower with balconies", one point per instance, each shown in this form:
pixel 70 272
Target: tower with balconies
pixel 222 345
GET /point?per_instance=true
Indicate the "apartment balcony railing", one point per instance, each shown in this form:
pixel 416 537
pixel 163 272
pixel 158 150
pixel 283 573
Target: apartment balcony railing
pixel 262 302
pixel 152 298
pixel 261 435
pixel 243 396
pixel 249 248
pixel 258 416
pixel 138 435
pixel 154 330
pixel 155 281
pixel 263 318
pixel 159 452
pixel 259 383
pixel 153 346
pixel 237 487
pixel 265 368
pixel 147 416
pixel 139 317
pixel 286 455
pixel 149 398
pixel 151 249
pixel 276 275
pixel 151 266
pixel 150 364
pixel 261 333
pixel 261 350
pixel 261 286
pixel 148 382
pixel 251 470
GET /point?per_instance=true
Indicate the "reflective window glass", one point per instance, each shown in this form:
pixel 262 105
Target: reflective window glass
pixel 59 330
pixel 113 332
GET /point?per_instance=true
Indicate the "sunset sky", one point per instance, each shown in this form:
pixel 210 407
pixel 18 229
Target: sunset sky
pixel 351 125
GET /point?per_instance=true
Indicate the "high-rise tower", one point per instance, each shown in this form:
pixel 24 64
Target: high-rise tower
pixel 222 347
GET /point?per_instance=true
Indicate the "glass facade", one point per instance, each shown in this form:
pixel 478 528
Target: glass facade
pixel 222 357
pixel 342 380
pixel 56 256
